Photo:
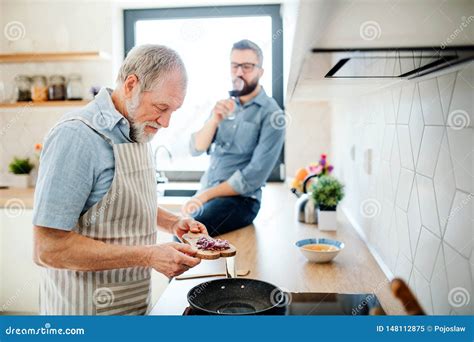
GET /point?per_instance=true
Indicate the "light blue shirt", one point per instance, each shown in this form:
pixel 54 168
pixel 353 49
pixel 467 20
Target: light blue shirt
pixel 77 165
pixel 245 150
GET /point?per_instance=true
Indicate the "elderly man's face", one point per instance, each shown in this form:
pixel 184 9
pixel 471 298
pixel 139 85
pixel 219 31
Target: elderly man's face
pixel 150 110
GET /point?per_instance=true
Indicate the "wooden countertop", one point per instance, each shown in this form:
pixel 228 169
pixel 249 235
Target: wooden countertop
pixel 267 249
pixel 26 196
pixel 14 195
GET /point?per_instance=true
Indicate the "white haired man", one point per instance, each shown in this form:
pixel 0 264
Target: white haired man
pixel 95 212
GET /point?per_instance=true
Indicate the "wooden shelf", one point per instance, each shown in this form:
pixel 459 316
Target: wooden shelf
pixel 45 104
pixel 33 57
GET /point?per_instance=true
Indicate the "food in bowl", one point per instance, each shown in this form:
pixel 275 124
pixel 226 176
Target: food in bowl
pixel 320 250
pixel 320 247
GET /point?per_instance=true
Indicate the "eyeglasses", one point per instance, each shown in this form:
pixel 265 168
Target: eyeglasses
pixel 246 67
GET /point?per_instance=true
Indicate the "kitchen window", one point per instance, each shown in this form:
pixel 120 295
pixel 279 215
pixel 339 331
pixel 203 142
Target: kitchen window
pixel 203 36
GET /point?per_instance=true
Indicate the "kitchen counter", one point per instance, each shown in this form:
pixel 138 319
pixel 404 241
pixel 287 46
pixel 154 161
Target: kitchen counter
pixel 267 249
pixel 14 195
pixel 26 196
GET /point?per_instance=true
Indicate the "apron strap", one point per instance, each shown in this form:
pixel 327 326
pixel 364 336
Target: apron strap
pixel 87 123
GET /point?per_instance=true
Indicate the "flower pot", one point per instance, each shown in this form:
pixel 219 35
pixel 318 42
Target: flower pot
pixel 327 220
pixel 19 181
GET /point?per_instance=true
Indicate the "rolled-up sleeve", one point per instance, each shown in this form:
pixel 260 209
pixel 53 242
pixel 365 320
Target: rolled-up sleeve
pixel 192 146
pixel 264 157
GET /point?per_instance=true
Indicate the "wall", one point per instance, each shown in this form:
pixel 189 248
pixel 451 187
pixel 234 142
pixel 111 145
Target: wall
pixel 308 134
pixel 415 205
pixel 48 26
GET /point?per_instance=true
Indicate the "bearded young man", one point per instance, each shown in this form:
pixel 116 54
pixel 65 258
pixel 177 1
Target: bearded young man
pixel 244 143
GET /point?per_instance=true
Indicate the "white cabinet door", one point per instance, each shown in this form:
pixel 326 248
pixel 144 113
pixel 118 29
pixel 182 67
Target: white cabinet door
pixel 19 275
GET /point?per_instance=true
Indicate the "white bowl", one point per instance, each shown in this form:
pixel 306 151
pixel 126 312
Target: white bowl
pixel 320 256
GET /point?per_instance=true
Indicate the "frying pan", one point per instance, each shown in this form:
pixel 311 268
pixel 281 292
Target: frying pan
pixel 234 296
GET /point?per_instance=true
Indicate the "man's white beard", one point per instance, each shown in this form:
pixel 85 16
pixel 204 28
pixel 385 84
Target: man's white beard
pixel 137 129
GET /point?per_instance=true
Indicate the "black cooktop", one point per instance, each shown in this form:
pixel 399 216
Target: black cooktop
pixel 306 303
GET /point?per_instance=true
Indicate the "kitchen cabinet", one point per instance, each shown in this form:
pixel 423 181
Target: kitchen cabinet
pixel 19 275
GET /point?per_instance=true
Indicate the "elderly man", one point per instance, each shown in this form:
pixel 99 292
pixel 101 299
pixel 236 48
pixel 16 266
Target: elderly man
pixel 244 137
pixel 95 212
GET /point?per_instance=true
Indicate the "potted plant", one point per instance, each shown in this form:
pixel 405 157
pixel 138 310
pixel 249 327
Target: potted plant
pixel 20 168
pixel 326 194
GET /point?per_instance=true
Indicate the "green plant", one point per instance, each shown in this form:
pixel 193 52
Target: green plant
pixel 327 192
pixel 21 166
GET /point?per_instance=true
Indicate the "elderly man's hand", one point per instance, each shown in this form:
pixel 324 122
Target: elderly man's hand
pixel 172 259
pixel 187 224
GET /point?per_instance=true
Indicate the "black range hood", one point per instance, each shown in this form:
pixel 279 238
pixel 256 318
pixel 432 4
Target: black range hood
pixel 393 62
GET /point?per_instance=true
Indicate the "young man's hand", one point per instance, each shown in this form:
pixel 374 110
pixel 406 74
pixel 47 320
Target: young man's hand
pixel 222 109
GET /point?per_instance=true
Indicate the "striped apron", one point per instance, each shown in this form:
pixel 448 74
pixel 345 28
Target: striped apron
pixel 126 215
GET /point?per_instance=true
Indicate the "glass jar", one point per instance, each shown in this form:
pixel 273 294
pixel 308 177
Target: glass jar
pixel 23 88
pixel 57 88
pixel 39 89
pixel 74 87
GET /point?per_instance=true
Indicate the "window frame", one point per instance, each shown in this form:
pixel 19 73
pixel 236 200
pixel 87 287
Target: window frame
pixel 131 16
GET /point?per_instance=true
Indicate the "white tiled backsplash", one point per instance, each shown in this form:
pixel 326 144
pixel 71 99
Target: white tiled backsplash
pixel 416 207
